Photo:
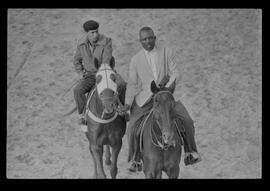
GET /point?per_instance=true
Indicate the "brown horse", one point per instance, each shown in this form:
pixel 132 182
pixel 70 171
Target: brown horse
pixel 161 141
pixel 105 126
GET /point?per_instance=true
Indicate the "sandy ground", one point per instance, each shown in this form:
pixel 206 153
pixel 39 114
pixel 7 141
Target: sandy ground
pixel 219 56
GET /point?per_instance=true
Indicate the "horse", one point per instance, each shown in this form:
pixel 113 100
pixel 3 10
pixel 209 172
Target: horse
pixel 105 126
pixel 160 138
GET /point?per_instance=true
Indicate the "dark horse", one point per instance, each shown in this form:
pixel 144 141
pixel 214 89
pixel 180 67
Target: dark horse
pixel 161 141
pixel 105 126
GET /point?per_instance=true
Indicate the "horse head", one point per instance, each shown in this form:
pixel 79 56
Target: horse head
pixel 164 112
pixel 106 85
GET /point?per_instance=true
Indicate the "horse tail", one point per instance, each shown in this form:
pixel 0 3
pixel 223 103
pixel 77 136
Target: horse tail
pixel 70 112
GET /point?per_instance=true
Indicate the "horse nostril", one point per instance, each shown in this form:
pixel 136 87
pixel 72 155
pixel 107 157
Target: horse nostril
pixel 112 105
pixel 167 137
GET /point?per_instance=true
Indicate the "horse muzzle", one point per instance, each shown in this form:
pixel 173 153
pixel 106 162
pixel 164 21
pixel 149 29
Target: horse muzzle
pixel 109 108
pixel 168 140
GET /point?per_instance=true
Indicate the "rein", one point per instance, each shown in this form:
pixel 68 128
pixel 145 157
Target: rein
pixel 154 138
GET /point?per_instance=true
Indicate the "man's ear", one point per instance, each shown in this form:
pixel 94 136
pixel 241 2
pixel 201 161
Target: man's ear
pixel 97 65
pixel 112 62
pixel 154 87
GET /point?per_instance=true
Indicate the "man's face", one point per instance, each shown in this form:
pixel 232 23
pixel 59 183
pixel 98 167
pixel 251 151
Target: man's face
pixel 93 35
pixel 147 39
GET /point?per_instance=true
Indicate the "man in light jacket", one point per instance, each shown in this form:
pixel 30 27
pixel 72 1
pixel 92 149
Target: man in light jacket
pixel 158 64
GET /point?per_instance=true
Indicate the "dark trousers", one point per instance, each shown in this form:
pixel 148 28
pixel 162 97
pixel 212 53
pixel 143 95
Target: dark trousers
pixel 187 123
pixel 84 86
pixel 87 83
pixel 136 117
pixel 137 114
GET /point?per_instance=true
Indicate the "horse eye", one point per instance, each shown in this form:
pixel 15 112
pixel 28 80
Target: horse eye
pixel 98 79
pixel 113 78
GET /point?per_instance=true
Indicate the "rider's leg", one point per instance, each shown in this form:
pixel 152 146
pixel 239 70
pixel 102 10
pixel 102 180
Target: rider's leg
pixel 85 85
pixel 189 134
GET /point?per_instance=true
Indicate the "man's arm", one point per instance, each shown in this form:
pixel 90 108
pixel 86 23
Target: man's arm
pixel 107 52
pixel 132 83
pixel 173 71
pixel 78 61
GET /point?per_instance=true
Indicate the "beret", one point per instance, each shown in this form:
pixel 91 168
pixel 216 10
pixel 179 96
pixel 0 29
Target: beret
pixel 90 25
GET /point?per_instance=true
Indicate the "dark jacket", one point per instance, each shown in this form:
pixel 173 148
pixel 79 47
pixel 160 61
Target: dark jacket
pixel 85 54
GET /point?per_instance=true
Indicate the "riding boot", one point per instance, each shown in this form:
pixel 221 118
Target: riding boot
pixel 136 165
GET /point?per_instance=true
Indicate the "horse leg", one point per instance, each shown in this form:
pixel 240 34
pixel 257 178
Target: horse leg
pixel 115 152
pixel 153 174
pixel 94 161
pixel 158 174
pixel 151 170
pixel 173 172
pixel 98 153
pixel 107 155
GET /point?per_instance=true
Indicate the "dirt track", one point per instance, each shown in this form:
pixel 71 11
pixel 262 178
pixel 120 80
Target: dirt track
pixel 219 54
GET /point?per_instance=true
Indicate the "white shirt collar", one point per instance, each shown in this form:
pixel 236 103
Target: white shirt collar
pixel 152 51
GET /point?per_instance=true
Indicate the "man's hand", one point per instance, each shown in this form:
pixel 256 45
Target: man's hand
pixel 123 109
pixel 164 81
pixel 80 75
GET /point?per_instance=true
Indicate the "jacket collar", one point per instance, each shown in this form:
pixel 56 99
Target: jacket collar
pixel 101 41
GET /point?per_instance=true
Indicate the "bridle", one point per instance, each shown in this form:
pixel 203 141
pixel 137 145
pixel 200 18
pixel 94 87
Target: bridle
pixel 153 136
pixel 106 83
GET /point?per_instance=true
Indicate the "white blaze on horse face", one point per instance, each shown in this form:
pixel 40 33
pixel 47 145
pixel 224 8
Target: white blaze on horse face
pixel 106 82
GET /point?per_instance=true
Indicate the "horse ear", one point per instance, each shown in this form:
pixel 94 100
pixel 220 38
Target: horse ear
pixel 171 88
pixel 112 62
pixel 154 87
pixel 97 65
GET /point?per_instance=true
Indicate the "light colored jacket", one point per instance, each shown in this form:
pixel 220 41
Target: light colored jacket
pixel 141 75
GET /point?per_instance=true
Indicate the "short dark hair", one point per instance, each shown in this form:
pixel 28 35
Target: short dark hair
pixel 90 25
pixel 146 28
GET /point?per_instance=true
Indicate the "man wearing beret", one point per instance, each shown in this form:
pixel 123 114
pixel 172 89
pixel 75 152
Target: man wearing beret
pixel 92 45
pixel 153 63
